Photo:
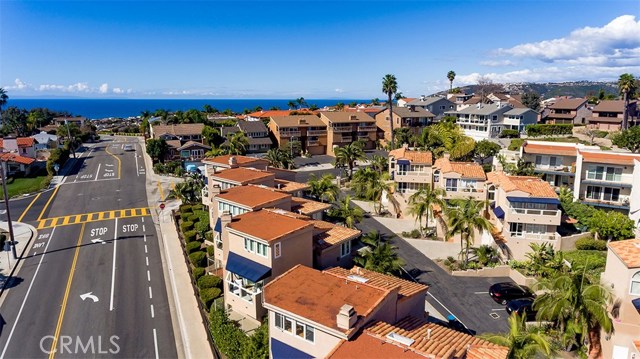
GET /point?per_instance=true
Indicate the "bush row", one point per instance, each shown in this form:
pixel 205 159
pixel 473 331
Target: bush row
pixel 549 130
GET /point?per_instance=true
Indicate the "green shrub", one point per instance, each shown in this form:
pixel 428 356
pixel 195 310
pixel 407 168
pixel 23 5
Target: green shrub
pixel 192 246
pixel 202 215
pixel 591 244
pixel 207 296
pixel 209 281
pixel 202 228
pixel 198 259
pixel 210 251
pixel 591 261
pixel 185 215
pixel 190 236
pixel 192 218
pixel 515 144
pixel 197 272
pixel 229 339
pixel 197 207
pixel 179 171
pixel 507 133
pixel 539 130
pixel 186 226
pixel 186 208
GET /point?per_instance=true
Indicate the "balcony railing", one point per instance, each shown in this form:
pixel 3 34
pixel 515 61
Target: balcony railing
pixel 367 128
pixel 558 168
pixel 289 133
pixel 537 236
pixel 412 173
pixel 468 190
pixel 316 132
pixel 363 135
pixel 342 129
pixel 343 139
pixel 538 212
pixel 622 202
pixel 313 143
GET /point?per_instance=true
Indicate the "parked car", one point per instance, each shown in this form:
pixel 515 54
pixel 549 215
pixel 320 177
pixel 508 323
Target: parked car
pixel 128 148
pixel 522 306
pixel 504 292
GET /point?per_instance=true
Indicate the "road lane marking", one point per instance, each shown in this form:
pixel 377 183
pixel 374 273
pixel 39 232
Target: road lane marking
pixel 48 202
pixel 148 276
pixel 153 313
pixel 113 267
pixel 137 167
pixel 24 300
pixel 143 220
pixel 52 352
pixel 29 207
pixel 147 260
pixel 92 217
pixel 143 228
pixel 97 172
pixel 145 246
pixel 117 158
pixel 150 293
pixel 155 343
pixel 480 292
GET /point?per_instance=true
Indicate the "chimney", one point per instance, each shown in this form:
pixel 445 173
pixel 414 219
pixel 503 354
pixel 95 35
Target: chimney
pixel 233 162
pixel 225 218
pixel 428 333
pixel 215 190
pixel 353 117
pixel 347 317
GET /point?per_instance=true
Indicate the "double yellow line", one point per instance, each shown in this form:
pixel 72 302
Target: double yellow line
pixel 54 344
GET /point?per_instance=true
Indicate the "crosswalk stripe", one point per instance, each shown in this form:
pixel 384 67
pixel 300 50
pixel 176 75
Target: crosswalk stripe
pixel 92 217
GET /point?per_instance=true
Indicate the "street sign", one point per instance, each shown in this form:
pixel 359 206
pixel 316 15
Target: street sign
pixel 161 205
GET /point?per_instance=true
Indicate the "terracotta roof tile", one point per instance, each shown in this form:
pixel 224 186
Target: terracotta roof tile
pixel 12 157
pixel 443 343
pixel 550 149
pixel 407 288
pixel 482 352
pixel 307 206
pixel 240 160
pixel 628 251
pixel 413 156
pixel 267 225
pixel 290 186
pixel 318 296
pixel 465 169
pixel 271 113
pixel 289 214
pixel 21 142
pixel 609 157
pixel 326 235
pixel 241 175
pixel 252 196
pixel 532 185
pixel 367 346
pixel 636 343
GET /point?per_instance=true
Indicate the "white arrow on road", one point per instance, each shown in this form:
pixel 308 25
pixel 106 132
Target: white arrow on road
pixel 89 295
pixel 98 240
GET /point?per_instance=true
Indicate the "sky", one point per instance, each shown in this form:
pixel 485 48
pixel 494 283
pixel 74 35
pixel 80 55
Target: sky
pixel 312 49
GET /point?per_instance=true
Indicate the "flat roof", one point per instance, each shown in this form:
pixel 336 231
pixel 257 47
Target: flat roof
pixel 252 196
pixel 267 225
pixel 241 175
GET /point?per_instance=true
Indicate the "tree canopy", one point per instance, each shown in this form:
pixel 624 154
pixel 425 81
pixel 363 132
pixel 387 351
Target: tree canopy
pixel 531 100
pixel 629 139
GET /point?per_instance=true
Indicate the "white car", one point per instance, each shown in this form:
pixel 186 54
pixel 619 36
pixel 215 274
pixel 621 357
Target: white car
pixel 128 148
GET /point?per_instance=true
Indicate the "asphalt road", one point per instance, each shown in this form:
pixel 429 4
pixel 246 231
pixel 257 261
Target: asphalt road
pixel 92 284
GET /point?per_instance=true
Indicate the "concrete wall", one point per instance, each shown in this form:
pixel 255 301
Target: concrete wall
pixel 330 257
pixel 322 346
pixel 498 271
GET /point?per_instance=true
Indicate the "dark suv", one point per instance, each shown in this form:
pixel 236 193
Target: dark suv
pixel 522 306
pixel 506 291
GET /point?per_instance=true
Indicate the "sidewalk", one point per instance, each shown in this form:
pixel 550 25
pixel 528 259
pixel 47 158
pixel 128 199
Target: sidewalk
pixel 23 234
pixel 190 332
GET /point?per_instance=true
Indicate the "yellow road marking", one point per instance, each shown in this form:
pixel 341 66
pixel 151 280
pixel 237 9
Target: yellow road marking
pixel 93 217
pixel 117 158
pixel 100 215
pixel 173 184
pixel 52 352
pixel 29 207
pixel 48 202
pixel 161 194
pixel 66 220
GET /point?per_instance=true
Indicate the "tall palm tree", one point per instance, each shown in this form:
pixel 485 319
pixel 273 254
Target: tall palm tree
pixel 577 301
pixel 379 163
pixel 523 342
pixel 390 87
pixel 291 105
pixel 348 155
pixel 3 99
pixel 420 203
pixel 323 188
pixel 451 75
pixel 465 219
pixel 300 101
pixel 346 213
pixel 237 143
pixel 189 191
pixel 279 158
pixel 381 256
pixel 627 85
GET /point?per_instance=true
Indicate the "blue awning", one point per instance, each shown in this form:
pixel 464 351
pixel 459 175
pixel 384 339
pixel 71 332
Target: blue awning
pixel 247 268
pixel 636 304
pixel 404 162
pixel 542 200
pixel 282 350
pixel 499 212
pixel 218 226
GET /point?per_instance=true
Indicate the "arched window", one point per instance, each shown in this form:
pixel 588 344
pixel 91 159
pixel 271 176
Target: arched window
pixel 635 284
pixel 436 176
pixel 491 193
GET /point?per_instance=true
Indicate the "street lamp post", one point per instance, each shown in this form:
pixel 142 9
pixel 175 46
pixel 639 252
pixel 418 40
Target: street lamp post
pixel 6 204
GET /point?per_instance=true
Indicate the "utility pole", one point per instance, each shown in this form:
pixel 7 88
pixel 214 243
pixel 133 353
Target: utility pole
pixel 6 204
pixel 70 140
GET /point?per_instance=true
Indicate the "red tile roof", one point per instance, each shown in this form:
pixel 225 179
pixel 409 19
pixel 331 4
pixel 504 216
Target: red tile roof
pixel 252 196
pixel 241 175
pixel 413 156
pixel 21 141
pixel 532 185
pixel 12 157
pixel 327 235
pixel 267 225
pixel 628 251
pixel 549 149
pixel 465 169
pixel 407 288
pixel 240 160
pixel 367 346
pixel 625 159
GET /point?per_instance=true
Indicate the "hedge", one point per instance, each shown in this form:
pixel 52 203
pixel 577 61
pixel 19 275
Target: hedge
pixel 190 236
pixel 198 259
pixel 185 215
pixel 186 208
pixel 591 244
pixel 192 218
pixel 211 251
pixel 186 226
pixel 209 281
pixel 508 133
pixel 549 130
pixel 203 216
pixel 197 207
pixel 208 295
pixel 197 273
pixel 515 144
pixel 192 247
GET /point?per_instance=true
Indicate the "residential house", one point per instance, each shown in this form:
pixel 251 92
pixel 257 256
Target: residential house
pixel 404 101
pixel 257 135
pixel 410 170
pixel 459 100
pixel 14 163
pixel 78 121
pixel 484 121
pixel 240 176
pixel 223 162
pixel 412 117
pixel 347 127
pixel 192 151
pixel 525 210
pixel 266 115
pixel 459 180
pixel 23 146
pixel 312 312
pixel 609 114
pixel 622 275
pixel 333 244
pixel 183 132
pixel 45 141
pixel 568 111
pixel 436 105
pixel 371 111
pixel 308 130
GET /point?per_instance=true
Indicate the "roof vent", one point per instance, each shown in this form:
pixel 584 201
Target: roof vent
pixel 357 278
pixel 393 336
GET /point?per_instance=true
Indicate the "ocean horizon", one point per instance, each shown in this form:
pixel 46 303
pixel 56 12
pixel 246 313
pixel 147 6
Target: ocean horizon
pixel 105 108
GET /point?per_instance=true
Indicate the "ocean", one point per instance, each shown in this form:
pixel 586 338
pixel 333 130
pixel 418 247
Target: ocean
pixel 103 108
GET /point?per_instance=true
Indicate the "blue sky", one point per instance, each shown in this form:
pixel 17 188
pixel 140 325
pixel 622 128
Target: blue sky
pixel 314 49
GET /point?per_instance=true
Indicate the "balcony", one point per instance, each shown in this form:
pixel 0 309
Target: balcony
pixel 622 203
pixel 343 138
pixel 535 236
pixel 550 217
pixel 366 128
pixel 342 128
pixel 363 135
pixel 413 173
pixel 316 132
pixel 559 169
pixel 537 212
pixel 286 134
pixel 313 143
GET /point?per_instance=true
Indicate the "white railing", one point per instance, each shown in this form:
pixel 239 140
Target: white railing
pixel 539 212
pixel 412 173
pixel 467 190
pixel 537 236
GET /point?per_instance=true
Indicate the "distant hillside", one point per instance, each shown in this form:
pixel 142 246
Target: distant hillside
pixel 550 89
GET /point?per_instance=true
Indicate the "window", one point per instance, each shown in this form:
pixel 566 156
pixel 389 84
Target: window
pixel 276 250
pixel 553 161
pixel 300 329
pixel 602 173
pixel 256 247
pixel 436 176
pixel 634 288
pixel 279 321
pixel 310 333
pixel 452 184
pixel 288 325
pixel 603 193
pixel 516 229
pixel 345 248
pixel 295 327
pixel 242 287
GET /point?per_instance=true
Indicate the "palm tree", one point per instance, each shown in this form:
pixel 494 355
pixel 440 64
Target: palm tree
pixel 390 87
pixel 340 106
pixel 279 158
pixel 577 302
pixel 420 203
pixel 485 254
pixel 189 191
pixel 523 342
pixel 398 96
pixel 323 188
pixel 346 213
pixel 300 101
pixel 237 143
pixel 3 99
pixel 348 155
pixel 379 163
pixel 375 101
pixel 291 105
pixel 465 219
pixel 447 137
pixel 627 85
pixel 451 75
pixel 380 256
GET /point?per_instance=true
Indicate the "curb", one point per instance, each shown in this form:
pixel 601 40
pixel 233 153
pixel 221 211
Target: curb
pixel 34 232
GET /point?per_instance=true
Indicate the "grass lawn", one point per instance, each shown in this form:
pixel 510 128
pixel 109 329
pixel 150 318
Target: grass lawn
pixel 19 186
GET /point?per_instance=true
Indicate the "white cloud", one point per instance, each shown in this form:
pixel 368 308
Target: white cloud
pixel 104 88
pixel 497 63
pixel 117 90
pixel 339 90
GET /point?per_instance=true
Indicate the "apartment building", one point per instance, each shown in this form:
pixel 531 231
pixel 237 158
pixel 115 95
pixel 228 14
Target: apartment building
pixel 459 180
pixel 347 127
pixel 567 111
pixel 308 130
pixel 220 163
pixel 410 170
pixel 436 105
pixel 525 210
pixel 609 114
pixel 412 117
pixel 622 275
pixel 484 121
